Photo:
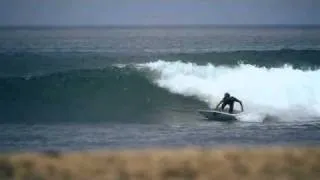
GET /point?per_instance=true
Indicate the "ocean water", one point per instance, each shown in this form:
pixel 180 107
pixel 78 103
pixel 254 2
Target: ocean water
pixel 87 88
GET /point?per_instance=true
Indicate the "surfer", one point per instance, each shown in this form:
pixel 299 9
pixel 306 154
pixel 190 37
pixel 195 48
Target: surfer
pixel 229 100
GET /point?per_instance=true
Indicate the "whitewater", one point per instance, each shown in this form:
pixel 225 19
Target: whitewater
pixel 283 92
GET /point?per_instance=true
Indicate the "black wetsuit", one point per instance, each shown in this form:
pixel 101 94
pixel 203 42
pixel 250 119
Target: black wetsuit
pixel 229 101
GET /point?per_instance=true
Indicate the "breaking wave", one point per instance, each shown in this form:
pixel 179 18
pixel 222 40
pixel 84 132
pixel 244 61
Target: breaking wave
pixel 282 91
pixel 155 90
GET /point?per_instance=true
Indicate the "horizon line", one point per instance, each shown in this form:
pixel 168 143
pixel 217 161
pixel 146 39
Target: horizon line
pixel 152 25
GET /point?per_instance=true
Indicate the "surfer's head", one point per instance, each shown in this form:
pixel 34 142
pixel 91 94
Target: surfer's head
pixel 226 94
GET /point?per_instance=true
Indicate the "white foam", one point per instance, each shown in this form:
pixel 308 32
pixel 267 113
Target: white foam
pixel 284 90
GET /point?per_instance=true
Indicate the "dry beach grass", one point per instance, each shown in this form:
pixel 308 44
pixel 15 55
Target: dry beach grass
pixel 274 163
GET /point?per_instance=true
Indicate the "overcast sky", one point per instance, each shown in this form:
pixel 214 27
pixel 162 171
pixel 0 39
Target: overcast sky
pixel 122 12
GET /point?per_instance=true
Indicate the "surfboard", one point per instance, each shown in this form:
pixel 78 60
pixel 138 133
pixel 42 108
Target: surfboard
pixel 216 115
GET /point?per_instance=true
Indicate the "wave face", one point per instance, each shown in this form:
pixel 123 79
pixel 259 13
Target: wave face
pixel 111 94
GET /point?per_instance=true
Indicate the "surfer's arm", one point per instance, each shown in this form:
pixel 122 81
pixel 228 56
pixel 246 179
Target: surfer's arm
pixel 240 104
pixel 219 104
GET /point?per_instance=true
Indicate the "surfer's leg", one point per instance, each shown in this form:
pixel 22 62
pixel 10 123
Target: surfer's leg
pixel 223 105
pixel 231 108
